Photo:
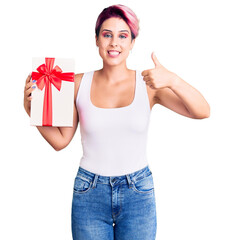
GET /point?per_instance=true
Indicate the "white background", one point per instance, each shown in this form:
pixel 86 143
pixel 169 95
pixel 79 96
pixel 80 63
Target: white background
pixel 191 160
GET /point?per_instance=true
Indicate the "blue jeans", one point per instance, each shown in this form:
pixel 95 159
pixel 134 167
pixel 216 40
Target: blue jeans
pixel 114 208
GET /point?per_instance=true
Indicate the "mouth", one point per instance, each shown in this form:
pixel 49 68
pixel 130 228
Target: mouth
pixel 113 53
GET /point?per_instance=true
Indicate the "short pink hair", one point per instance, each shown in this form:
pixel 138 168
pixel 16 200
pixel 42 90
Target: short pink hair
pixel 119 11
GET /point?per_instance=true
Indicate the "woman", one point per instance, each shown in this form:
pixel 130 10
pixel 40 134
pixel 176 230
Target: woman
pixel 113 195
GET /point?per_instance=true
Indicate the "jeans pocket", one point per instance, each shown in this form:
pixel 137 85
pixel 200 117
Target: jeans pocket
pixel 144 184
pixel 81 185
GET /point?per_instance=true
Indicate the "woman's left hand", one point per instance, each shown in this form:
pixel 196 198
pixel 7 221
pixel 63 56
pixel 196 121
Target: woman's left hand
pixel 158 77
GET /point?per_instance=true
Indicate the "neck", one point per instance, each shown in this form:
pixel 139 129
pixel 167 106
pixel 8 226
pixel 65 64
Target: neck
pixel 114 74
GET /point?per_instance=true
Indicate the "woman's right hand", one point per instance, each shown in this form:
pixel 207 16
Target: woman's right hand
pixel 29 87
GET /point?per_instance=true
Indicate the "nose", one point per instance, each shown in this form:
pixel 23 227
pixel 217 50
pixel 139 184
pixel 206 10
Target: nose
pixel 113 41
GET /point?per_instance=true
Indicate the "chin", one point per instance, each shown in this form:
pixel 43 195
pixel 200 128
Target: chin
pixel 114 61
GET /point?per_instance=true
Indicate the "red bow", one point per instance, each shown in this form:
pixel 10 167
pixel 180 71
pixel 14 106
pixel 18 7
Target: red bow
pixel 45 76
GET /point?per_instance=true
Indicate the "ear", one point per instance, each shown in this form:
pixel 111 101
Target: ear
pixel 96 40
pixel 132 43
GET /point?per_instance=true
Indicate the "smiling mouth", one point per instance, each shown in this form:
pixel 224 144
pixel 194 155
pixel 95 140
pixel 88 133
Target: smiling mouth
pixel 113 53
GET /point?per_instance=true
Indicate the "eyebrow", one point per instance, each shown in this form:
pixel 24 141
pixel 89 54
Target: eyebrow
pixel 111 31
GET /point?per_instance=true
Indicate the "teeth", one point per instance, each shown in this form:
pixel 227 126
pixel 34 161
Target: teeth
pixel 113 53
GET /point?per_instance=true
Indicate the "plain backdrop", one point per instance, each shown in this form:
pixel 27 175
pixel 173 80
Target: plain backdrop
pixel 191 159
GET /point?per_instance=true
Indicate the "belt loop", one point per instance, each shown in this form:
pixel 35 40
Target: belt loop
pixel 95 181
pixel 129 181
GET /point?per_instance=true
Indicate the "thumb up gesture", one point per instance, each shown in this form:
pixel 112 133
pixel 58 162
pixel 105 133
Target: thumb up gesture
pixel 159 76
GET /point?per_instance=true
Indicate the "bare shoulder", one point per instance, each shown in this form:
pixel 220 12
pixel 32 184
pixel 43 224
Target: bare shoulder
pixel 77 81
pixel 78 78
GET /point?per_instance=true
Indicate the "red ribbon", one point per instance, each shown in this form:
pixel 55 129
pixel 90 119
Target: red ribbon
pixel 45 76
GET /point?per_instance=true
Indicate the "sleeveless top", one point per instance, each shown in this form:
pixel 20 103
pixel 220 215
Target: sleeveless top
pixel 114 140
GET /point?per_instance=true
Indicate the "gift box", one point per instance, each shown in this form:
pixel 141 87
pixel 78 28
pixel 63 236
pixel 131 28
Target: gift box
pixel 53 98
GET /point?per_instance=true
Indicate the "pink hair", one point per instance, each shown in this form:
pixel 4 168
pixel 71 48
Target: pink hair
pixel 120 11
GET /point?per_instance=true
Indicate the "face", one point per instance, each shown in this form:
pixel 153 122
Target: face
pixel 114 41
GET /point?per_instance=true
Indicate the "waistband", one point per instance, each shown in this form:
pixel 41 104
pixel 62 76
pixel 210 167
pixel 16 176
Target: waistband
pixel 113 180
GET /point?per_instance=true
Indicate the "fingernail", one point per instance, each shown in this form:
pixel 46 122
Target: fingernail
pixel 34 81
pixel 33 86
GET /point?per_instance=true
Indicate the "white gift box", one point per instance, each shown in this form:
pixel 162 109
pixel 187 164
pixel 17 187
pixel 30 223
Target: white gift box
pixel 62 100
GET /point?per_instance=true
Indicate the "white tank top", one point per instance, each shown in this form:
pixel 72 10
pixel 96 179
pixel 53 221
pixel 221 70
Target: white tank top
pixel 114 140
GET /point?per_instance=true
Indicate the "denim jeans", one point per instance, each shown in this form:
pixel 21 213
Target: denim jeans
pixel 114 208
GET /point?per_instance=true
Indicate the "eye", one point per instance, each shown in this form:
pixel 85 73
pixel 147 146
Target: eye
pixel 123 36
pixel 107 35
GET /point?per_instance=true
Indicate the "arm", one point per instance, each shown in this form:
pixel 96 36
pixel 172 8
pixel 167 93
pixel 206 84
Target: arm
pixel 60 137
pixel 183 99
pixel 174 93
pixel 57 137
